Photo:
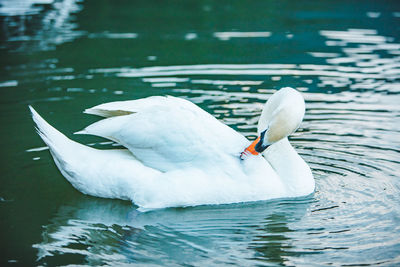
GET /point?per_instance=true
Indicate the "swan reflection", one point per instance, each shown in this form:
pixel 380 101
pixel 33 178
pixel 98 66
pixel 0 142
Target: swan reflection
pixel 98 231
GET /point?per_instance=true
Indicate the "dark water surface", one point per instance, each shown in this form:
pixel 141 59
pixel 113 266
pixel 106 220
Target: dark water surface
pixel 228 57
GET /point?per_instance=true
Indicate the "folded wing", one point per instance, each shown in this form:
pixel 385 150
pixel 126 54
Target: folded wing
pixel 166 133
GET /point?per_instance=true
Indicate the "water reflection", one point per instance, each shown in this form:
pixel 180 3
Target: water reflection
pixel 110 35
pixel 226 36
pixel 107 232
pixel 253 69
pixel 272 243
pixel 22 7
pixel 38 24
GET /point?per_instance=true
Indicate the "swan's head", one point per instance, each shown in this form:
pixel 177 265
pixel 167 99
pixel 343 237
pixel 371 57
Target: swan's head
pixel 281 116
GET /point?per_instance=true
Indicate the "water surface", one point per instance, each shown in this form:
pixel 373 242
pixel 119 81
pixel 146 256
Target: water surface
pixel 228 57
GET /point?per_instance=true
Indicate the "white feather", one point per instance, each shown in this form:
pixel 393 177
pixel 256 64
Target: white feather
pixel 179 155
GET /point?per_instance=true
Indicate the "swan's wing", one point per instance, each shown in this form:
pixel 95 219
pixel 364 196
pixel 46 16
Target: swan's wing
pixel 167 132
pixel 119 108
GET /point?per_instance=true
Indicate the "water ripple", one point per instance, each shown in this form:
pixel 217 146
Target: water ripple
pixel 350 138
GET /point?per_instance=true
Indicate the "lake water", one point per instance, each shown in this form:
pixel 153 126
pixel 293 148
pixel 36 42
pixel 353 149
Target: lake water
pixel 228 57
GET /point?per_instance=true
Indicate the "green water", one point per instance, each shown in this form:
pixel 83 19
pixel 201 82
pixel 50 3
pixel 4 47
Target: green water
pixel 228 57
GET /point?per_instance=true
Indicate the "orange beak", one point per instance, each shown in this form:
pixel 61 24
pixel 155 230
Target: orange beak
pixel 250 149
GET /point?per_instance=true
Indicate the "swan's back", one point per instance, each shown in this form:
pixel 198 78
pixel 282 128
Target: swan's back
pixel 167 133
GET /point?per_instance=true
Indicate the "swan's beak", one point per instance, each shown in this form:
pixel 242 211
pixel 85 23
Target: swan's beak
pixel 255 147
pixel 251 148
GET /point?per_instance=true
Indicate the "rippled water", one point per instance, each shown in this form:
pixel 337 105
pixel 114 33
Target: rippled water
pixel 228 57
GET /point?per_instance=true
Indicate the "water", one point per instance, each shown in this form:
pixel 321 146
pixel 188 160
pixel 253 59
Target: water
pixel 228 57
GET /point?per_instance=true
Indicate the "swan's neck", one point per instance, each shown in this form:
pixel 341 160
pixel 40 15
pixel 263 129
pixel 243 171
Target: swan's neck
pixel 291 168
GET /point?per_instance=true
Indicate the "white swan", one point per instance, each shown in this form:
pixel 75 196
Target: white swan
pixel 179 155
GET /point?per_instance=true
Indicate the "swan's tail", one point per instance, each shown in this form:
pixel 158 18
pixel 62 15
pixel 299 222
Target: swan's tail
pixel 64 150
pixel 67 154
pixel 51 136
pixel 110 173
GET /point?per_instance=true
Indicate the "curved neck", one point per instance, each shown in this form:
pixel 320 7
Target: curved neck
pixel 291 168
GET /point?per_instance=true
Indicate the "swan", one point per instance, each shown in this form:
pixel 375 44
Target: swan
pixel 176 154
